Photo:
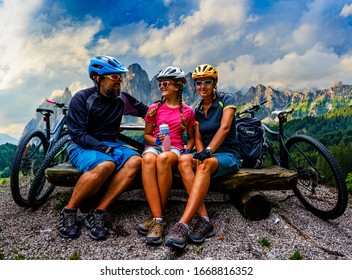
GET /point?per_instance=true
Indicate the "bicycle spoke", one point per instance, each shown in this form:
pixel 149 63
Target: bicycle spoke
pixel 321 187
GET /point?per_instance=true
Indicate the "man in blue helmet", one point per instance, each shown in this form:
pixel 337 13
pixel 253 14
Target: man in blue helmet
pixel 107 166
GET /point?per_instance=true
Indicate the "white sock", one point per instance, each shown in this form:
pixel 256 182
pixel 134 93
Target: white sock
pixel 206 218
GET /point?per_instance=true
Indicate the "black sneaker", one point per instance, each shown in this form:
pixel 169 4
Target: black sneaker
pixel 95 222
pixel 68 227
pixel 177 236
pixel 202 230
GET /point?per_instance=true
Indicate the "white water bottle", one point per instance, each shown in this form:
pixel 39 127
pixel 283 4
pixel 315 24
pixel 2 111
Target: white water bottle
pixel 164 129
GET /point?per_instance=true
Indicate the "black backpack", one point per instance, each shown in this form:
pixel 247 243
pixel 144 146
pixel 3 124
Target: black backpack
pixel 251 141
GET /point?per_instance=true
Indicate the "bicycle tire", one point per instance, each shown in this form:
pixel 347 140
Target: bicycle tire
pixel 30 153
pixel 40 188
pixel 321 186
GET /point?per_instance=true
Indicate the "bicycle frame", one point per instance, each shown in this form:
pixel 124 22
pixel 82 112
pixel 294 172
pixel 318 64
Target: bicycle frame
pixel 279 136
pixel 57 130
pixel 53 135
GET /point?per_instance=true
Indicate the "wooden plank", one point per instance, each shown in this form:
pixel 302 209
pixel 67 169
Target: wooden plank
pixel 269 178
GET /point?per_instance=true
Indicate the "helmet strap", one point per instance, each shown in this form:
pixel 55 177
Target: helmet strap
pixel 97 83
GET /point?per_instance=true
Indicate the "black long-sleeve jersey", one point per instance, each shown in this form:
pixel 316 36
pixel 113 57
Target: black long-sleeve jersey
pixel 93 118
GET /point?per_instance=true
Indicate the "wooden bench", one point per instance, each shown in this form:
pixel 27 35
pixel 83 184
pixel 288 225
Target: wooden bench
pixel 245 187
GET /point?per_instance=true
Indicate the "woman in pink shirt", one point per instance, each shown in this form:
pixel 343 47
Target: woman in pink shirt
pixel 159 157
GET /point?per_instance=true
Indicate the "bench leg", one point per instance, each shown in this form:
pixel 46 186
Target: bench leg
pixel 253 205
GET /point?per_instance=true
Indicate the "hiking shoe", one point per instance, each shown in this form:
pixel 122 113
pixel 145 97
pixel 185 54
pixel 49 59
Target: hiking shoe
pixel 144 227
pixel 202 230
pixel 177 237
pixel 155 233
pixel 68 227
pixel 95 222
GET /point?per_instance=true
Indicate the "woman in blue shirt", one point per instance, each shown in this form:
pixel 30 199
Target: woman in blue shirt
pixel 217 155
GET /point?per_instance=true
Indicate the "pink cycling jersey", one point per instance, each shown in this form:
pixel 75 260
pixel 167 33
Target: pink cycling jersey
pixel 172 117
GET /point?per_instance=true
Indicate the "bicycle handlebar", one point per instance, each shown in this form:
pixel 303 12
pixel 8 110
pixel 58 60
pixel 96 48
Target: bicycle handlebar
pixel 252 109
pixel 59 105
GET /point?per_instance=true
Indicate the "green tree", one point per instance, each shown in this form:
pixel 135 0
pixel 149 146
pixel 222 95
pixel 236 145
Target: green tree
pixel 349 182
pixel 5 173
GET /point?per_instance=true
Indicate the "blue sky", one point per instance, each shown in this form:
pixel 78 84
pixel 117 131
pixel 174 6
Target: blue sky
pixel 45 45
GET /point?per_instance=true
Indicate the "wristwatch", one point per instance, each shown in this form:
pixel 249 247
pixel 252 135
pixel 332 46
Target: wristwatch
pixel 210 150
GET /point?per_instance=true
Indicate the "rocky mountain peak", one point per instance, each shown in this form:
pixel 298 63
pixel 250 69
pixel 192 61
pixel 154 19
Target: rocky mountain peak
pixel 309 102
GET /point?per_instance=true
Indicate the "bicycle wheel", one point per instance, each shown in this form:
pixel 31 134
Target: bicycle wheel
pixel 40 188
pixel 321 186
pixel 29 155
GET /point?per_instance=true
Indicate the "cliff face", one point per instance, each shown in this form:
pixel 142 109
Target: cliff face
pixel 306 103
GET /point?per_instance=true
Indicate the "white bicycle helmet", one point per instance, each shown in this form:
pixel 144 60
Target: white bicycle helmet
pixel 172 72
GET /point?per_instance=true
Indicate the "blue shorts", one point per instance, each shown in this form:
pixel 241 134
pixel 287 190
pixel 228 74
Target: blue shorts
pixel 228 163
pixel 85 160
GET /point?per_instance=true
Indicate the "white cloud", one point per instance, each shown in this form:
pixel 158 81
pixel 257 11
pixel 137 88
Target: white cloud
pixel 78 85
pixel 318 67
pixel 36 58
pixel 346 10
pixel 305 34
pixel 26 52
pixel 73 87
pixel 199 35
pixel 13 129
pixel 122 40
pixel 14 22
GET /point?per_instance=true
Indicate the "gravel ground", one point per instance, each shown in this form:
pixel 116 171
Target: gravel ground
pixel 28 234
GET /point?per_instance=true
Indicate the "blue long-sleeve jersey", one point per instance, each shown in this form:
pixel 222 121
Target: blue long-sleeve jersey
pixel 93 118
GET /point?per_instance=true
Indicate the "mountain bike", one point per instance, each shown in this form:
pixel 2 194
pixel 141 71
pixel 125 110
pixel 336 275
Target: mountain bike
pixel 31 151
pixel 321 186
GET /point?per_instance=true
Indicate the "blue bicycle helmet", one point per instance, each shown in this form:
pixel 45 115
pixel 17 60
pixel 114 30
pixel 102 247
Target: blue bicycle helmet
pixel 105 65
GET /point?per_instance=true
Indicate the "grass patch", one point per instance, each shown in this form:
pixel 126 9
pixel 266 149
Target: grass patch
pixel 296 256
pixel 264 242
pixel 4 181
pixel 19 257
pixel 198 250
pixel 175 254
pixel 75 256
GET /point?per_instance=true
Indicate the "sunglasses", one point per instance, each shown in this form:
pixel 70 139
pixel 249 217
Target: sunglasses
pixel 165 84
pixel 206 83
pixel 114 77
